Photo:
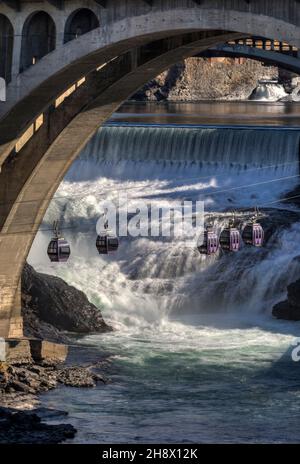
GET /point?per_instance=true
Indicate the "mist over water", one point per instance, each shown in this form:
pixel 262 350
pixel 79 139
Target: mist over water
pixel 195 344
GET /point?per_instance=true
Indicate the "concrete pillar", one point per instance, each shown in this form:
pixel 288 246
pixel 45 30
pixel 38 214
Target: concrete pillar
pixel 17 48
pixel 16 320
pixel 11 323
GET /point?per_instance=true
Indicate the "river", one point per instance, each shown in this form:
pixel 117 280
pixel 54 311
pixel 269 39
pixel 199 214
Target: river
pixel 196 355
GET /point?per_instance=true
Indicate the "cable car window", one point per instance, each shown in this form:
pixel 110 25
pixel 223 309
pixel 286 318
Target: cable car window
pixel 65 250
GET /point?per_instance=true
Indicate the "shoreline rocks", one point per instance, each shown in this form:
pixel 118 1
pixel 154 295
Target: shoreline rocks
pixel 19 386
pixel 38 378
pixel 52 310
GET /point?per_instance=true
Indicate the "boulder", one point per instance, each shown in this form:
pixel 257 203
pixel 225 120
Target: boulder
pixel 290 308
pixel 50 305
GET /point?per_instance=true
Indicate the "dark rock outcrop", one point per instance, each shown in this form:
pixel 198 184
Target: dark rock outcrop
pixel 50 305
pixel 290 308
pixel 21 427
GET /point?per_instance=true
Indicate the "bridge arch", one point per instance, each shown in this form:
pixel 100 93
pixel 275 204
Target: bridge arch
pixel 79 23
pixel 6 47
pixel 29 180
pixel 38 38
pixel 35 88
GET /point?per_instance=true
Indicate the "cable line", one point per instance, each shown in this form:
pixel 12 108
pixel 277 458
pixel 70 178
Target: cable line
pixel 73 227
pixel 80 195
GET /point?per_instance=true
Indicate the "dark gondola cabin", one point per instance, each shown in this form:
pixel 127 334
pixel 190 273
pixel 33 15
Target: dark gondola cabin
pixel 230 239
pixel 107 243
pixel 59 250
pixel 210 244
pixel 253 234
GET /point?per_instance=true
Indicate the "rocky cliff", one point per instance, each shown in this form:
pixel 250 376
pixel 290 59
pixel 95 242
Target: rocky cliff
pixel 51 307
pixel 290 308
pixel 206 79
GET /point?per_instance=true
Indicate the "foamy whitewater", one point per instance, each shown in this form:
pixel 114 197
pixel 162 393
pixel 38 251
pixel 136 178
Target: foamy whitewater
pixel 196 354
pixel 269 92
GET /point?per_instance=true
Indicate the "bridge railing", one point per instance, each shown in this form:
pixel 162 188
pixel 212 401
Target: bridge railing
pixel 266 44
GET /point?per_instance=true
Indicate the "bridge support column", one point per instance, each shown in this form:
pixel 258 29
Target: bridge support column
pixel 16 53
pixel 16 319
pixel 11 323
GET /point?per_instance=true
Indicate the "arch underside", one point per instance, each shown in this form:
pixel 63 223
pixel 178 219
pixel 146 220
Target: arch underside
pixel 29 179
pixel 38 38
pixel 80 22
pixel 31 92
pixel 6 47
pixel 270 58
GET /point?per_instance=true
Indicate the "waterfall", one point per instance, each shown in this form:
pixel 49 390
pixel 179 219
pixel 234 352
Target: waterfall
pixel 147 144
pixel 175 163
pixel 196 356
pixel 147 278
pixel 268 91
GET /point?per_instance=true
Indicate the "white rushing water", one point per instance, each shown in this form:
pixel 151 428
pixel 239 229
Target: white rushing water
pixel 269 92
pixel 195 344
pixel 225 168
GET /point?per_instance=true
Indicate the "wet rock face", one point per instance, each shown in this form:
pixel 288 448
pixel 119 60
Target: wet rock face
pixel 18 427
pixel 50 306
pixel 79 377
pixel 290 308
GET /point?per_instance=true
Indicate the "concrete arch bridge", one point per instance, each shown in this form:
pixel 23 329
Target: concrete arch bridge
pixel 68 66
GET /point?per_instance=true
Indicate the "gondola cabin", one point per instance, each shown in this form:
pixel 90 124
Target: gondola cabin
pixel 253 234
pixel 58 250
pixel 107 243
pixel 230 239
pixel 210 244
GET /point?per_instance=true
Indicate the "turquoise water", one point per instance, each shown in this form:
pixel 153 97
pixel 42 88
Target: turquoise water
pixel 180 383
pixel 196 355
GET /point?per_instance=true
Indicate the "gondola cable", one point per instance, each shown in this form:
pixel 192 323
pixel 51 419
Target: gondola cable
pixel 232 189
pixel 80 195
